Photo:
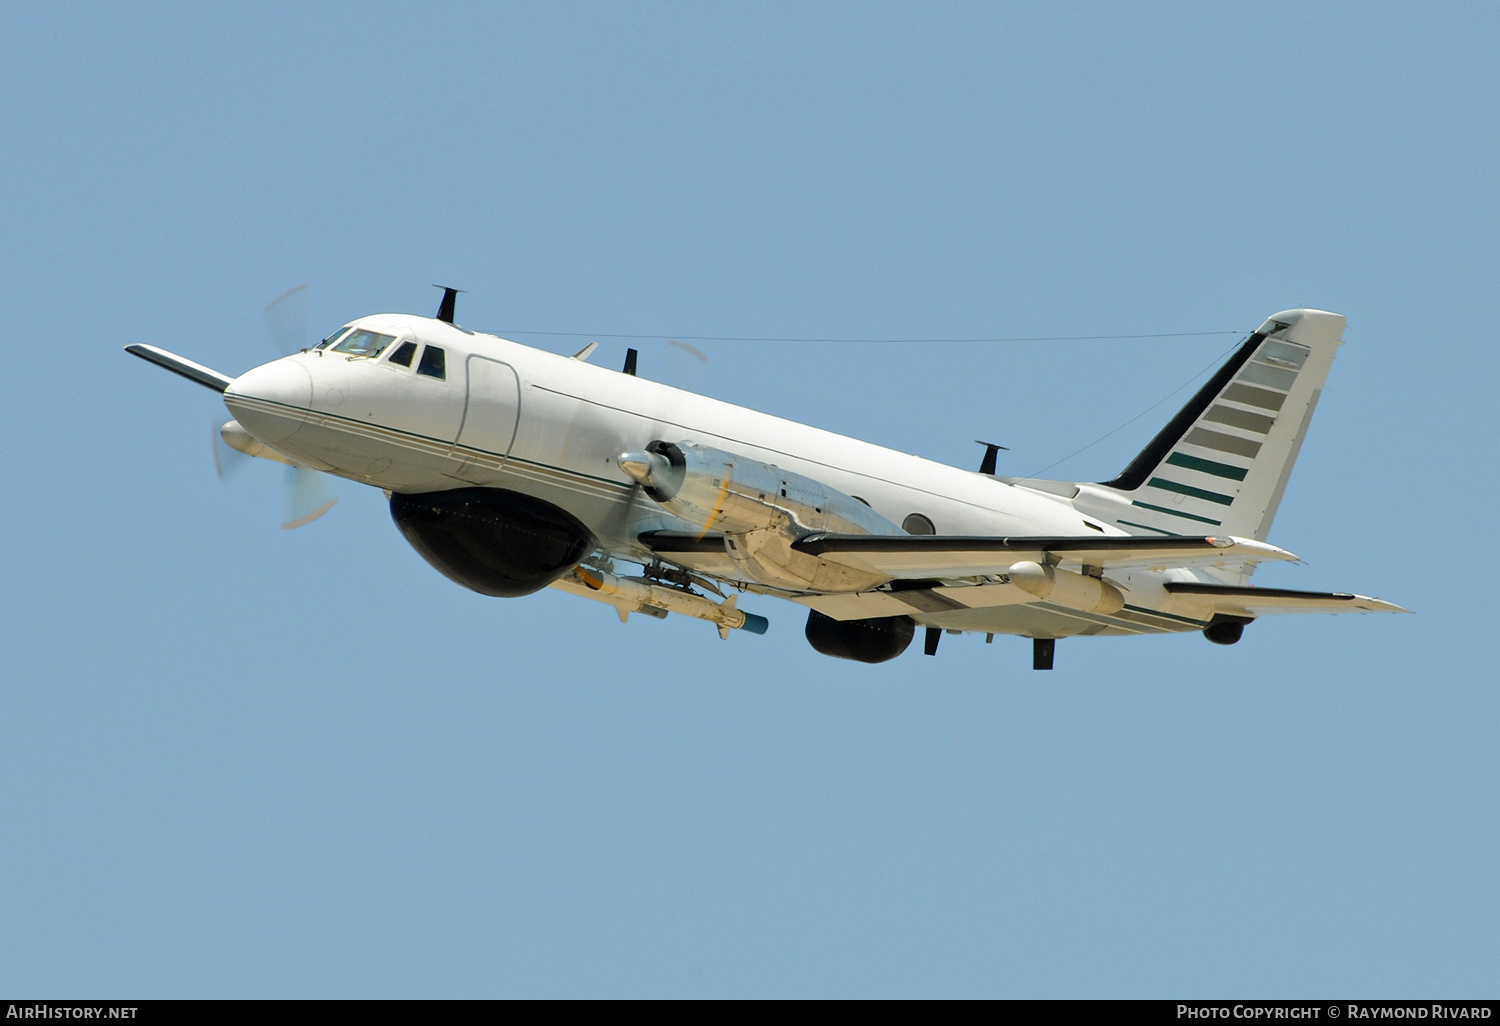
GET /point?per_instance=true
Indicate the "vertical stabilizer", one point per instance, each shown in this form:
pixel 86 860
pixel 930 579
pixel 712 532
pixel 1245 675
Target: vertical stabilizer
pixel 1222 464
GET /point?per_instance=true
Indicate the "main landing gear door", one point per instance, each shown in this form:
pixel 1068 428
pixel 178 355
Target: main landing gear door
pixel 492 407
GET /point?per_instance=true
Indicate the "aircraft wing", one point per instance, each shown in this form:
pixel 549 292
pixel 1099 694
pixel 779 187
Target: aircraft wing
pixel 918 557
pixel 935 555
pixel 1261 601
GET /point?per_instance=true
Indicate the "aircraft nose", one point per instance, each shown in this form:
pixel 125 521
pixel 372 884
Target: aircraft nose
pixel 271 401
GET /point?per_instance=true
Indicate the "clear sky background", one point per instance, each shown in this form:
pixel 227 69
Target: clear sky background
pixel 236 760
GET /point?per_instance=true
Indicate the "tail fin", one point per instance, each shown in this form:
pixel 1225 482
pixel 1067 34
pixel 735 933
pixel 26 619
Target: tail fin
pixel 1222 464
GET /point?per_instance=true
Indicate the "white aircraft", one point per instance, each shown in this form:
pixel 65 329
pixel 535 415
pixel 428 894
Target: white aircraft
pixel 511 469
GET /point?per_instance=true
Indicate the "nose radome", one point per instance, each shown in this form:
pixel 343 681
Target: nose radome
pixel 271 401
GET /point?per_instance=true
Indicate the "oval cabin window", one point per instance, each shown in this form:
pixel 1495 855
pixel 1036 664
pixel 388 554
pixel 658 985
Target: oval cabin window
pixel 916 523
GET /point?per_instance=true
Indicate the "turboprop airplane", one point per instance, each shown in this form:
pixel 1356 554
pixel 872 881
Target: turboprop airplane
pixel 511 469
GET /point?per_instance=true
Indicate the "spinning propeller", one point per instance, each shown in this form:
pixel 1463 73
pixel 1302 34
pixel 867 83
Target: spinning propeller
pixel 677 364
pixel 308 495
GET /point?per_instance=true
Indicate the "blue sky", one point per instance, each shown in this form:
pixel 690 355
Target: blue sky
pixel 244 761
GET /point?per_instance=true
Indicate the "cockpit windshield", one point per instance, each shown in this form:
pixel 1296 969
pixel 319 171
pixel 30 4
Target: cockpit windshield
pixel 331 338
pixel 360 342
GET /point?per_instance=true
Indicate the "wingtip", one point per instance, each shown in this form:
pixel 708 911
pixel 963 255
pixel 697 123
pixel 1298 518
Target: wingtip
pixel 1256 550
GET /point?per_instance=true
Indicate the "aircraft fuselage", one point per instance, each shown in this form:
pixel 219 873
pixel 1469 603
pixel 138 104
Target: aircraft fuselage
pixel 510 416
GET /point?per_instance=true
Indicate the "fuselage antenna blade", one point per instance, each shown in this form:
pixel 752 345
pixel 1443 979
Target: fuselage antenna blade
pixel 450 299
pixel 987 465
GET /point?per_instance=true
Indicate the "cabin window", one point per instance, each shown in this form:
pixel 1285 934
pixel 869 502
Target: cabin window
pixel 916 523
pixel 360 342
pixel 433 363
pixel 404 353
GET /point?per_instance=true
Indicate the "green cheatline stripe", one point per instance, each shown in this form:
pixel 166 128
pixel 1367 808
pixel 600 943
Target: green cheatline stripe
pixel 1147 527
pixel 364 428
pixel 1197 493
pixel 1179 459
pixel 1173 512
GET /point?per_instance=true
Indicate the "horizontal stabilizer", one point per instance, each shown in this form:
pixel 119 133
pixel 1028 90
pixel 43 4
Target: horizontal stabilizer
pixel 1262 601
pixel 205 376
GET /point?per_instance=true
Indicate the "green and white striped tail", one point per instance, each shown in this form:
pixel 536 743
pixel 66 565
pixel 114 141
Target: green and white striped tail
pixel 1221 465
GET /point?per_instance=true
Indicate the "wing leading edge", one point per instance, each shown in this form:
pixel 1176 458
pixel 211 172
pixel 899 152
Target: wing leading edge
pixel 922 557
pixel 992 606
pixel 905 557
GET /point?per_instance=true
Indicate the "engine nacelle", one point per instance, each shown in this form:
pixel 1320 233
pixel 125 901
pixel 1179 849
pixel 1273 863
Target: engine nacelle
pixel 492 541
pixel 1225 629
pixel 873 640
pixel 760 509
pixel 718 491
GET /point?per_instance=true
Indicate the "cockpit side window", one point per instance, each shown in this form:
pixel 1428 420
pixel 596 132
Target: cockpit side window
pixel 361 342
pixel 433 363
pixel 331 338
pixel 403 354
